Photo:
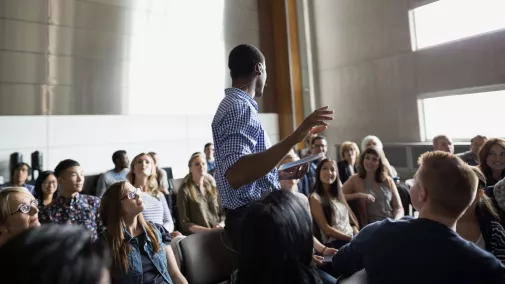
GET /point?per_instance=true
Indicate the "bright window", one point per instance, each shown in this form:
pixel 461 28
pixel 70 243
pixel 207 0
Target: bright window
pixel 463 116
pixel 449 20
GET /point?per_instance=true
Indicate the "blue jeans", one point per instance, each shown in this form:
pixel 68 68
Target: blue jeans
pixel 326 278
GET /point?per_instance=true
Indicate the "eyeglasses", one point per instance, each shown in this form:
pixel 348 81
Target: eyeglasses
pixel 132 194
pixel 25 208
pixel 49 182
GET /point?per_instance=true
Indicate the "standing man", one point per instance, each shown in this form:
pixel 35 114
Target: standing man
pixel 117 174
pixel 245 162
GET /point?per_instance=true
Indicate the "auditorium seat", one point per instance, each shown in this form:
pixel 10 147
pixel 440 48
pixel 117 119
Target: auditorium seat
pixel 207 257
pixel 90 184
pixel 359 277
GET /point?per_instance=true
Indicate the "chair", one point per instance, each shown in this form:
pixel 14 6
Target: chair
pixel 90 184
pixel 207 257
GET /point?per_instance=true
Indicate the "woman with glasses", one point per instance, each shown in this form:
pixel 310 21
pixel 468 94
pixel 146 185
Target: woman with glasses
pixel 18 212
pixel 139 254
pixel 46 188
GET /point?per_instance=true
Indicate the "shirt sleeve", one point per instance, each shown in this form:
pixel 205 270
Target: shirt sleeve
pixel 182 208
pixel 237 135
pixel 168 223
pixel 349 258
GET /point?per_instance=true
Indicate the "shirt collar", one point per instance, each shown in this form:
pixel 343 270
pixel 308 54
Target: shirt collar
pixel 69 201
pixel 129 237
pixel 241 94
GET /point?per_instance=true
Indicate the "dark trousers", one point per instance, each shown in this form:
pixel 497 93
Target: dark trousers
pixel 232 225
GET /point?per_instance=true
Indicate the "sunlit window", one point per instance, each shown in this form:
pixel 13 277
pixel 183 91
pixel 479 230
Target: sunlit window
pixel 177 58
pixel 463 116
pixel 449 20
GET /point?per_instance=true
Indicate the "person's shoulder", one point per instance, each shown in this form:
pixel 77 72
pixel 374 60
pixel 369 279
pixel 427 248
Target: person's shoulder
pixel 315 195
pixel 91 199
pixel 301 196
pixel 342 163
pixel 387 225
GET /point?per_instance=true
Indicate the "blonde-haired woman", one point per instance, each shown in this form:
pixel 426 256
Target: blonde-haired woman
pixel 139 254
pixel 349 153
pixel 142 175
pixel 18 212
pixel 197 198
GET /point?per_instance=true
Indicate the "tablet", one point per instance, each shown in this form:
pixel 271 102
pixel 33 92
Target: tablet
pixel 301 161
pixel 327 258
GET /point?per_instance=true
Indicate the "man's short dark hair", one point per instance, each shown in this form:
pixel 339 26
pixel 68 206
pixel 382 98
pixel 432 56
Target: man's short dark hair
pixel 207 145
pixel 19 166
pixel 318 137
pixel 117 155
pixel 54 254
pixel 242 60
pixel 63 165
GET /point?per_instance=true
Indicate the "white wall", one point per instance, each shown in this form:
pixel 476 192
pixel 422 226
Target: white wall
pixel 91 140
pixel 177 129
pixel 366 70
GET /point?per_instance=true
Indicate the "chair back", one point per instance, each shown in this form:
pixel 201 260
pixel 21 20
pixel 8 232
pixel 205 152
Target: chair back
pixel 359 277
pixel 207 257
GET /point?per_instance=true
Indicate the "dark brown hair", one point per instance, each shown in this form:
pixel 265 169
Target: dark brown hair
pixel 484 153
pixel 485 204
pixel 110 214
pixel 382 171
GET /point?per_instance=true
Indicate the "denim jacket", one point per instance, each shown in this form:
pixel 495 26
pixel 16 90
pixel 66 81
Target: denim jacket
pixel 135 273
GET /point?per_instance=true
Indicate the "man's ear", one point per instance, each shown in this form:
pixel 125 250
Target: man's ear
pixel 423 193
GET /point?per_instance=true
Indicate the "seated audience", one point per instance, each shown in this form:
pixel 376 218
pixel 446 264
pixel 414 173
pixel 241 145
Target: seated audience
pixel 139 254
pixel 118 173
pixel 481 223
pixel 46 188
pixel 276 243
pixel 306 151
pixel 472 157
pixel 197 201
pixel 19 177
pixel 318 145
pixel 497 195
pixel 373 185
pixel 427 249
pixel 349 153
pixel 290 185
pixel 209 153
pixel 443 143
pixel 143 176
pixel 492 160
pixel 54 254
pixel 329 208
pixel 18 212
pixel 72 207
pixel 161 174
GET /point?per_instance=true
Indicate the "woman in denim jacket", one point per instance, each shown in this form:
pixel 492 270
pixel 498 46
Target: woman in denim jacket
pixel 138 252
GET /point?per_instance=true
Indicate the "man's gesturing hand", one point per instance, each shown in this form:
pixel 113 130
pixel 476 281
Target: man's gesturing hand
pixel 315 123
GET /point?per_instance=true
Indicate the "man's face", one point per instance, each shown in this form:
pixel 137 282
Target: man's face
pixel 261 79
pixel 319 146
pixel 444 144
pixel 21 174
pixel 417 192
pixel 71 180
pixel 476 145
pixel 123 161
pixel 209 151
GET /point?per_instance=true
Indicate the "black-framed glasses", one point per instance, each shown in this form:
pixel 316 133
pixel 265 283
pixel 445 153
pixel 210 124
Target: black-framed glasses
pixel 25 208
pixel 132 194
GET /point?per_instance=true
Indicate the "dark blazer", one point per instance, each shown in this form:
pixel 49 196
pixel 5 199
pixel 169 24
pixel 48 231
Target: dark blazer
pixel 344 172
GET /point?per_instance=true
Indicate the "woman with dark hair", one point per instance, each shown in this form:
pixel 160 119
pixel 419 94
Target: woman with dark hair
pixel 139 254
pixel 373 185
pixel 481 223
pixel 276 243
pixel 54 254
pixel 46 188
pixel 330 210
pixel 492 160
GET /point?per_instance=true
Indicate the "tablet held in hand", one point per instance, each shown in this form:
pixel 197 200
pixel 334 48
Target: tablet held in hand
pixel 300 162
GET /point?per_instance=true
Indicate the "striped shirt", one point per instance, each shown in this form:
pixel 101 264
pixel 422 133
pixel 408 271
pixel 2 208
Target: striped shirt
pixel 237 131
pixel 497 245
pixel 156 210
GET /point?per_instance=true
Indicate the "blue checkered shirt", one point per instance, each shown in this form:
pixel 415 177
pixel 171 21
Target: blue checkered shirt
pixel 237 131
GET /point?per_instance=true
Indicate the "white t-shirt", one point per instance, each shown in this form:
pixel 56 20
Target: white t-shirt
pixel 341 215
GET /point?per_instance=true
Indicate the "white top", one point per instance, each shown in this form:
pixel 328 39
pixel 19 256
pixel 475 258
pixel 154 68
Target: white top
pixel 341 218
pixel 156 210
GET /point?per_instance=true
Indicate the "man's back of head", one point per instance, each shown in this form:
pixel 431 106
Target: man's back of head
pixel 445 186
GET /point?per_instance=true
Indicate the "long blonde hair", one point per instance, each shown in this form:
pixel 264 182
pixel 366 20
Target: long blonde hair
pixel 110 214
pixel 208 181
pixel 152 182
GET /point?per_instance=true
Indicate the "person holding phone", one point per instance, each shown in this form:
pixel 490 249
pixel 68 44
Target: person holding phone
pixel 245 161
